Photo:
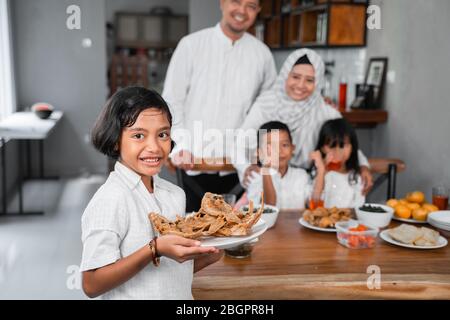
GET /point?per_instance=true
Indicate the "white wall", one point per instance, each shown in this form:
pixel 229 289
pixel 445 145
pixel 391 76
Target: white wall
pixel 203 14
pixel 52 66
pixel 415 39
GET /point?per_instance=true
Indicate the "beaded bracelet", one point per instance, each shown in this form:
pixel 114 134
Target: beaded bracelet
pixel 155 257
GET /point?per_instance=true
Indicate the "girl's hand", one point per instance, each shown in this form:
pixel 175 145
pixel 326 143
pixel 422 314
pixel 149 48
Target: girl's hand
pixel 367 179
pixel 316 157
pixel 248 173
pixel 181 249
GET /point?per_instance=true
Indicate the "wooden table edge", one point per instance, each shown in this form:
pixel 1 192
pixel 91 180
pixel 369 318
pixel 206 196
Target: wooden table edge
pixel 314 286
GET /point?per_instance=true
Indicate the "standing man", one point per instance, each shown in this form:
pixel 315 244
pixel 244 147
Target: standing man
pixel 213 79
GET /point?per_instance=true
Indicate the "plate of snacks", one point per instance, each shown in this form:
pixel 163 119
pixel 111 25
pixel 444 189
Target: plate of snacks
pixel 413 208
pixel 323 219
pixel 409 236
pixel 216 224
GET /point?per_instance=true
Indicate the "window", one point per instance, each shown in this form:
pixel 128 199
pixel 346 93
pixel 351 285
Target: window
pixel 7 88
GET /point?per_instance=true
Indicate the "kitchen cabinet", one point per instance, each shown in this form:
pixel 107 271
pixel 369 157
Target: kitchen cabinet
pixel 285 24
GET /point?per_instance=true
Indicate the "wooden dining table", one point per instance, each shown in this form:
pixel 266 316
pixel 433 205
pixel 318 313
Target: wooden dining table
pixel 292 262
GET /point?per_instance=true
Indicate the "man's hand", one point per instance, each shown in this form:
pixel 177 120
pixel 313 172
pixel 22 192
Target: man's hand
pixel 183 160
pixel 367 179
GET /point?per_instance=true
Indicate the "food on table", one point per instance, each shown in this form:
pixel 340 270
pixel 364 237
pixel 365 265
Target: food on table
pixel 430 207
pixel 372 208
pixel 357 237
pixel 402 211
pixel 416 197
pixel 413 206
pixel 326 218
pixel 420 214
pixel 392 203
pixel 412 235
pixel 215 218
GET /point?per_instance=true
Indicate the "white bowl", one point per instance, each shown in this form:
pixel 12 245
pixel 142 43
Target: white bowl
pixel 375 219
pixel 269 218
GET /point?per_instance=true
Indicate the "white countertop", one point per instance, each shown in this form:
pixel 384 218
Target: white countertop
pixel 27 125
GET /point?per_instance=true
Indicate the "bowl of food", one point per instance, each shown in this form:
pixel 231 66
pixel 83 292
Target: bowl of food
pixel 242 251
pixel 42 110
pixel 375 215
pixel 356 235
pixel 269 215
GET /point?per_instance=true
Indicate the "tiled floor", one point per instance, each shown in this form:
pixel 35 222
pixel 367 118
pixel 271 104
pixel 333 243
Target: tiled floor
pixel 40 255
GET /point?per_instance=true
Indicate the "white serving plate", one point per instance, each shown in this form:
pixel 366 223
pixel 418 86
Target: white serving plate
pixel 306 224
pixel 229 242
pixel 442 242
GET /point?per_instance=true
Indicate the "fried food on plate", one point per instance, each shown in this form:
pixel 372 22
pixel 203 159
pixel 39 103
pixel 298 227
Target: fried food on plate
pixel 215 218
pixel 326 218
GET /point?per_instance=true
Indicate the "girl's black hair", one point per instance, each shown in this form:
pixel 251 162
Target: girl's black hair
pixel 332 134
pixel 273 125
pixel 120 111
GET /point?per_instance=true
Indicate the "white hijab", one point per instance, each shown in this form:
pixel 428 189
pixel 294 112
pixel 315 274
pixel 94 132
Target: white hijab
pixel 304 118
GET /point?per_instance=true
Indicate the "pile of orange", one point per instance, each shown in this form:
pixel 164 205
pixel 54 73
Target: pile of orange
pixel 413 206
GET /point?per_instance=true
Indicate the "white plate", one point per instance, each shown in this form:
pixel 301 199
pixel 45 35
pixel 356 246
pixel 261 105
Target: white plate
pixel 440 217
pixel 306 224
pixel 442 242
pixel 229 242
pixel 439 226
pixel 408 220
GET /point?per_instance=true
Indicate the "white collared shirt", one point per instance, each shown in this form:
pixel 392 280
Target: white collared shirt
pixel 115 224
pixel 215 81
pixel 292 190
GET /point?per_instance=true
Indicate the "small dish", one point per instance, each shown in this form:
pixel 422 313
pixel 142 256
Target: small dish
pixel 270 214
pixel 356 235
pixel 42 110
pixel 372 218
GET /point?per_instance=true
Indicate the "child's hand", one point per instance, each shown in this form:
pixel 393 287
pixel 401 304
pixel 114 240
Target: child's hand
pixel 316 157
pixel 181 249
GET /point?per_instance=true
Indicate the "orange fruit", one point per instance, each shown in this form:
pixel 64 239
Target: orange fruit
pixel 416 197
pixel 420 214
pixel 403 202
pixel 402 211
pixel 413 206
pixel 430 207
pixel 392 203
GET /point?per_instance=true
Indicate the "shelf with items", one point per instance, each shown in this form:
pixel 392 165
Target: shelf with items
pixel 149 31
pixel 312 23
pixel 366 118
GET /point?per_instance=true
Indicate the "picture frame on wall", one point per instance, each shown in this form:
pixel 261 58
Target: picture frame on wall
pixel 375 79
pixel 369 95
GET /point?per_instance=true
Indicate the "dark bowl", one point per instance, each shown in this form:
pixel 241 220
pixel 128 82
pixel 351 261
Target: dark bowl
pixel 43 114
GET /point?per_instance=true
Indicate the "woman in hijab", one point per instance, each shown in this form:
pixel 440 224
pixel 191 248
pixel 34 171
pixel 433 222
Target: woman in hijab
pixel 295 99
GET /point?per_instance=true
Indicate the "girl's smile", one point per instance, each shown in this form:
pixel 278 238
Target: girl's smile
pixel 146 144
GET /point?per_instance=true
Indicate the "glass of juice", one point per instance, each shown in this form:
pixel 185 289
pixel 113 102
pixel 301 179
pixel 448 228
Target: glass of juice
pixel 316 201
pixel 334 166
pixel 440 197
